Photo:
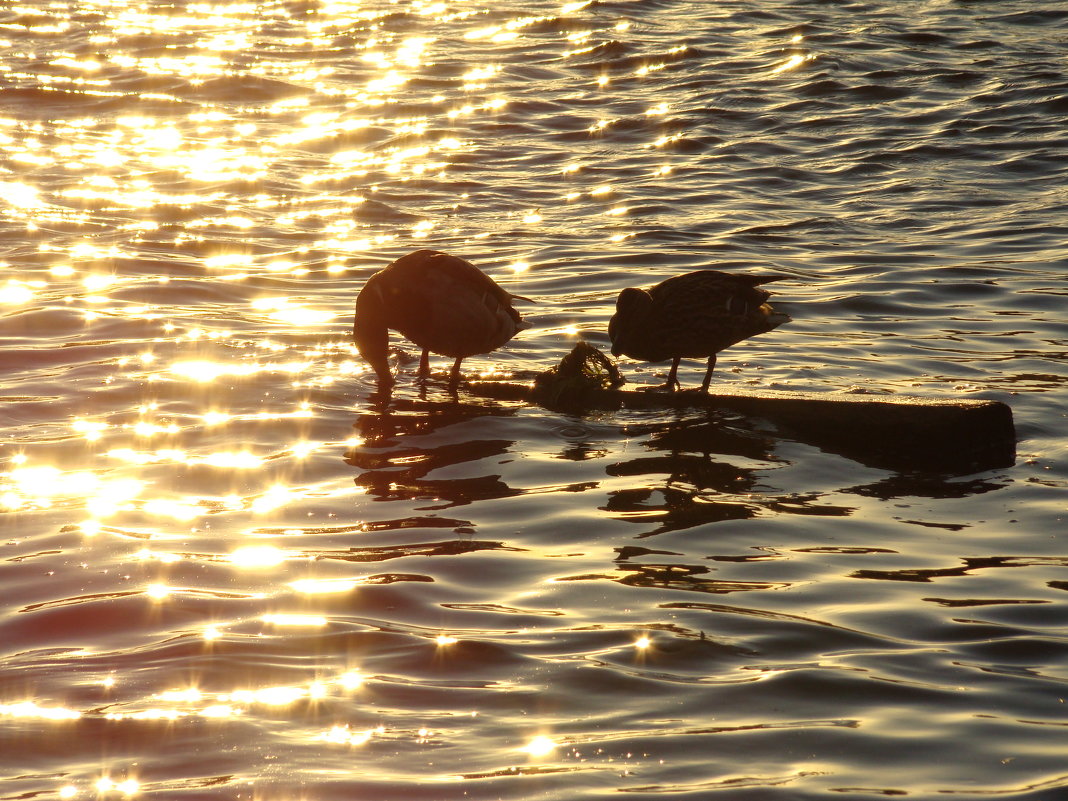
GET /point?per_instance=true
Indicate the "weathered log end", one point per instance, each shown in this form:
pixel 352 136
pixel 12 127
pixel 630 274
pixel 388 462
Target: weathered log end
pixel 897 431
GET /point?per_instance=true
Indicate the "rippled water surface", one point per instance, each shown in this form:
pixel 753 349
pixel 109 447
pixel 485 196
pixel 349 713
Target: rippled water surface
pixel 230 569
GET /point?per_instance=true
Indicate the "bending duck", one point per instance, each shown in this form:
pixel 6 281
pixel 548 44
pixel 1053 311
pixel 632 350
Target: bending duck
pixel 695 315
pixel 442 303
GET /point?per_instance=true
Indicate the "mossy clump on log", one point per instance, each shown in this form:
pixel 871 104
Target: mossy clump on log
pixel 573 383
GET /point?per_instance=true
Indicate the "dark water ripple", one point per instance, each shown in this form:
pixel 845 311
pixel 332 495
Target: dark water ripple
pixel 228 569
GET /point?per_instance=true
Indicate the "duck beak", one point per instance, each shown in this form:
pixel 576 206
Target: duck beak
pixel 372 337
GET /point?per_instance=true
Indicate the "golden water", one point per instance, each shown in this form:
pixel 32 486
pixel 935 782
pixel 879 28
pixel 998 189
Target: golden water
pixel 228 571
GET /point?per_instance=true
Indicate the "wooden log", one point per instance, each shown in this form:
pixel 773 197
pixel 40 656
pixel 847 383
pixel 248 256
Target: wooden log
pixel 894 431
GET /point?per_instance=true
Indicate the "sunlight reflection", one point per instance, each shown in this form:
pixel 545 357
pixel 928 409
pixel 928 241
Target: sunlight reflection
pixel 793 62
pixel 322 586
pixel 342 735
pixel 128 787
pixel 229 459
pixel 41 486
pixel 205 371
pixel 146 429
pixel 445 639
pixel 269 696
pixel 99 281
pixel 105 785
pixel 189 696
pixel 139 457
pixel 351 680
pixel 15 293
pixel 251 556
pixel 223 459
pixel 540 746
pixel 90 528
pixel 161 556
pixel 302 450
pixel 294 620
pixel 283 311
pixel 506 32
pixel 219 711
pixel 276 496
pixel 665 140
pixel 21 196
pixel 153 713
pixel 222 261
pixel 475 78
pixel 178 510
pixel 29 709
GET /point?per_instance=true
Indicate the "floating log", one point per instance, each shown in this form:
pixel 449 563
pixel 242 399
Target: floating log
pixel 893 431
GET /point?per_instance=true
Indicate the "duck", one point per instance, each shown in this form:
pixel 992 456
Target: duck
pixel 695 315
pixel 442 303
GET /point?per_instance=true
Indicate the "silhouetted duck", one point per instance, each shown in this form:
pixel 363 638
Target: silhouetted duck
pixel 695 315
pixel 441 303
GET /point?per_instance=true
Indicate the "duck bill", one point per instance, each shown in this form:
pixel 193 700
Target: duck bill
pixel 777 318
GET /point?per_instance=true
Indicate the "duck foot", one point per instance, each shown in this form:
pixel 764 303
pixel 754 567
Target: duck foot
pixel 669 387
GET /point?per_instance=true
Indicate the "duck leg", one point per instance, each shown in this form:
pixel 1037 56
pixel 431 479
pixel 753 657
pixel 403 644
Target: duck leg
pixel 708 373
pixel 672 381
pixel 454 374
pixel 424 364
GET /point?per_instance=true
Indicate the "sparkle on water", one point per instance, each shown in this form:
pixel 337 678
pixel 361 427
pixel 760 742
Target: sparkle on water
pixel 222 541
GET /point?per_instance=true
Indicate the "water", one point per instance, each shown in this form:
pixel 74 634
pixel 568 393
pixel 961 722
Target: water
pixel 228 571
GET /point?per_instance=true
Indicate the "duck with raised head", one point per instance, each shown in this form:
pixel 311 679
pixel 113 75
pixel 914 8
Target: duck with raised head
pixel 442 303
pixel 695 315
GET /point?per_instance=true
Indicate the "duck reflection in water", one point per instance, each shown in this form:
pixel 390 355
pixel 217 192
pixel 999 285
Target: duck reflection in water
pixel 704 471
pixel 442 303
pixel 683 452
pixel 695 315
pixel 405 441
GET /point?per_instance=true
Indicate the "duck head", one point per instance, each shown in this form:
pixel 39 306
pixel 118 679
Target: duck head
pixel 632 310
pixel 371 332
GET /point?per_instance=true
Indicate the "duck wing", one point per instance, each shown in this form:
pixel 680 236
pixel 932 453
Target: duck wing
pixel 447 305
pixel 698 314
